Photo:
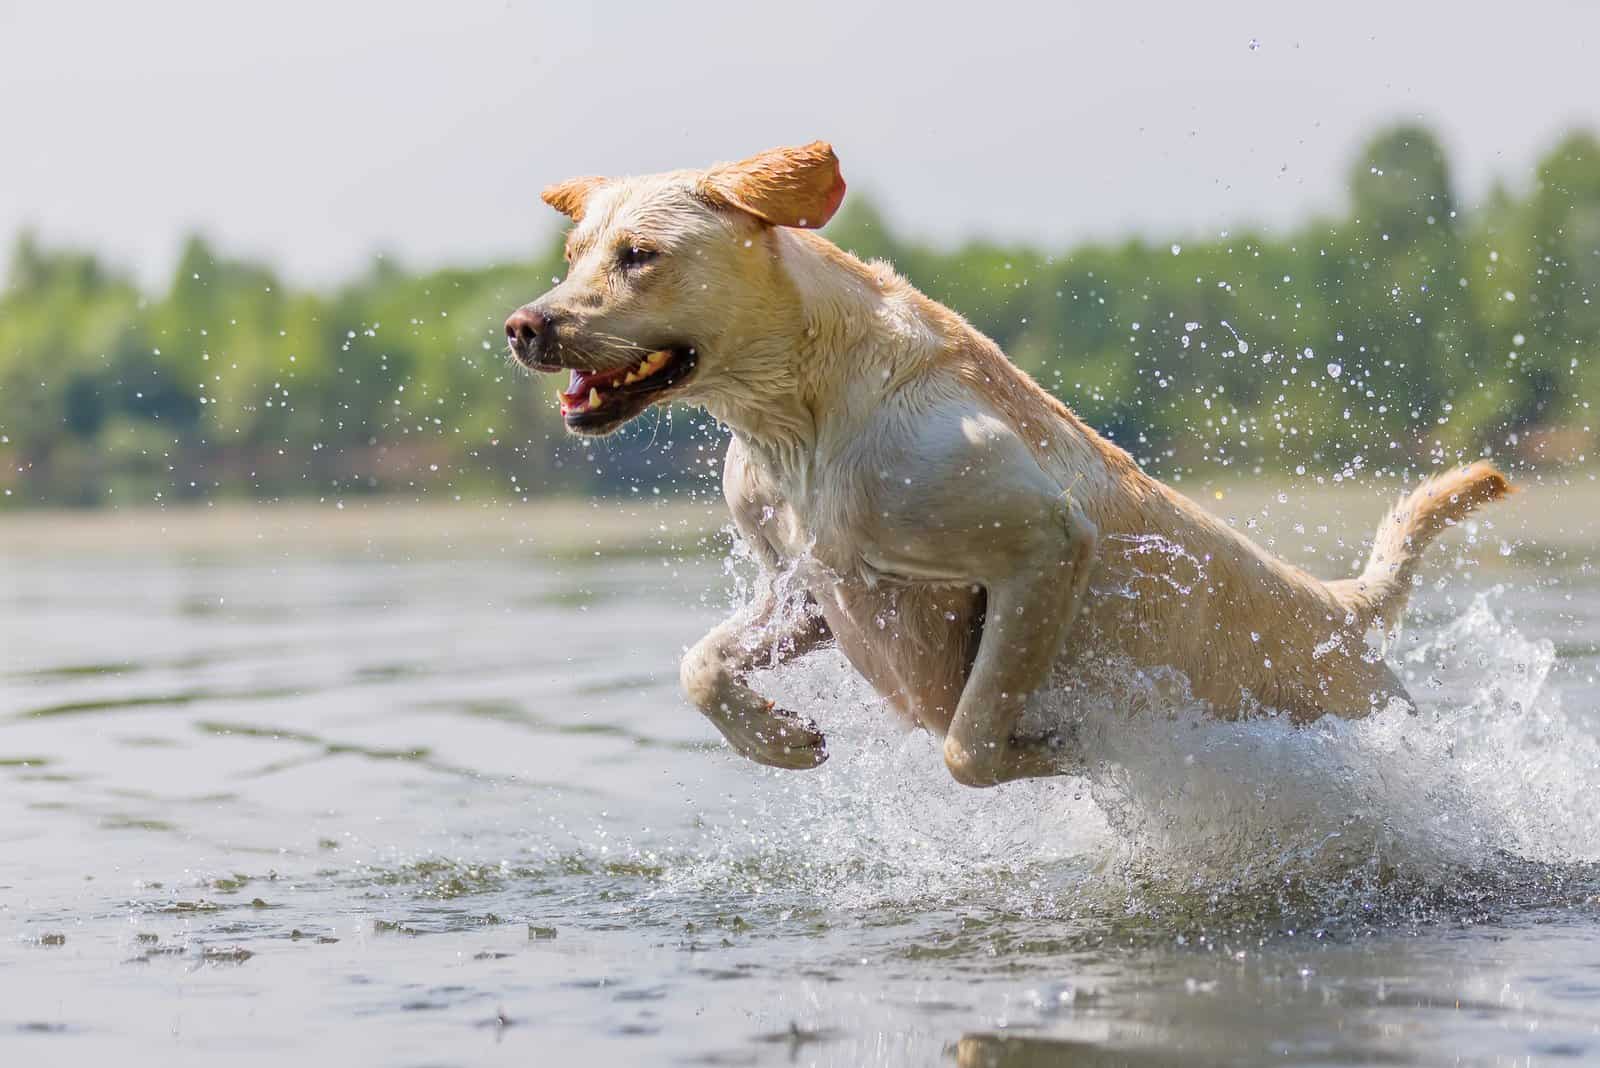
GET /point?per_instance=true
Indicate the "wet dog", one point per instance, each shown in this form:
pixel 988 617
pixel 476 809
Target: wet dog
pixel 960 533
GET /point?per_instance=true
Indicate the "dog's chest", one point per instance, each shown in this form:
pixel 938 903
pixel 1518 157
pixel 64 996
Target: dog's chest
pixel 824 543
pixel 820 553
pixel 810 517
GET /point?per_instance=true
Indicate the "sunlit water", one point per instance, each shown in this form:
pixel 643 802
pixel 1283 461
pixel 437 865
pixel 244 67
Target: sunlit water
pixel 447 808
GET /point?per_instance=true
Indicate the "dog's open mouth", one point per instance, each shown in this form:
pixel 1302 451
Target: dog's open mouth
pixel 599 401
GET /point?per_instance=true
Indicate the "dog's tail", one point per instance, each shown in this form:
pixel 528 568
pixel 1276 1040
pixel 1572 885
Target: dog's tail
pixel 1380 592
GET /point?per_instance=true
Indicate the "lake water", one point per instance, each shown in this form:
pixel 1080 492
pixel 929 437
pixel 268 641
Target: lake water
pixel 377 804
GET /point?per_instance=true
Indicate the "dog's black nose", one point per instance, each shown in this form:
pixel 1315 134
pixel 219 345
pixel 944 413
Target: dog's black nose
pixel 528 331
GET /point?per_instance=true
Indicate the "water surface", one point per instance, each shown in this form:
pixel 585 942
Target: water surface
pixel 384 804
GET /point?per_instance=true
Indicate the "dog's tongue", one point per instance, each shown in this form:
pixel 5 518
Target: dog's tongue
pixel 582 381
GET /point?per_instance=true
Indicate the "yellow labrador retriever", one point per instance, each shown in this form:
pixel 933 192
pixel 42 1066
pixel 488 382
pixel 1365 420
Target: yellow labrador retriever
pixel 961 534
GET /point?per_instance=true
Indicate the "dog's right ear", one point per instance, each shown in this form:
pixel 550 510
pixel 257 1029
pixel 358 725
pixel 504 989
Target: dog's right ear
pixel 782 186
pixel 570 196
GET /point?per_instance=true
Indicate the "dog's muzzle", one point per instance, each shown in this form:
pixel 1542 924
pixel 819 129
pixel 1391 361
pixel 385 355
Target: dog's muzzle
pixel 529 332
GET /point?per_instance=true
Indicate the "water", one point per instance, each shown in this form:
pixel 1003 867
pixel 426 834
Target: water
pixel 376 803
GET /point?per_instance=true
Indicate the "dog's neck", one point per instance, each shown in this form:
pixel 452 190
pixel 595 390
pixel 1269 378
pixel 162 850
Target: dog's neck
pixel 843 334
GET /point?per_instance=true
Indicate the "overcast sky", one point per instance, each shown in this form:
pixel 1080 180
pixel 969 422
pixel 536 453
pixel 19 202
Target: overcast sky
pixel 315 133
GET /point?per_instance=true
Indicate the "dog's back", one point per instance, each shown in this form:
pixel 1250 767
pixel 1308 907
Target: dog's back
pixel 1173 585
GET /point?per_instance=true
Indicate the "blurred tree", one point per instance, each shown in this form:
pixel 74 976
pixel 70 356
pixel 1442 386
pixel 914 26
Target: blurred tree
pixel 1403 332
pixel 1401 184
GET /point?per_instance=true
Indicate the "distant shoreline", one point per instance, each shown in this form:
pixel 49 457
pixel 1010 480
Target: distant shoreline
pixel 1556 510
pixel 550 527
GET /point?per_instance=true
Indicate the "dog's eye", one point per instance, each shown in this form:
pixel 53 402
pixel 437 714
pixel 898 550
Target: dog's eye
pixel 634 256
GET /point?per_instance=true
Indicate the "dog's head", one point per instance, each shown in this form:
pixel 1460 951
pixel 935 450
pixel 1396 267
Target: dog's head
pixel 666 275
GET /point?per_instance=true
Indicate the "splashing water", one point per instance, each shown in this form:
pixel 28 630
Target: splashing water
pixel 1478 801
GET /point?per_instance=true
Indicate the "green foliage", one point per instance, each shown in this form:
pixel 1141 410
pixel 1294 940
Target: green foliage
pixel 1408 332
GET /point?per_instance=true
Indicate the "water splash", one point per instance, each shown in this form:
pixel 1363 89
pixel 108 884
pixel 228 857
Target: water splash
pixel 1479 801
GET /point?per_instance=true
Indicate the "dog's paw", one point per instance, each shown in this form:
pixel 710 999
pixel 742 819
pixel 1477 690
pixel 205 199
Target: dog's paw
pixel 778 739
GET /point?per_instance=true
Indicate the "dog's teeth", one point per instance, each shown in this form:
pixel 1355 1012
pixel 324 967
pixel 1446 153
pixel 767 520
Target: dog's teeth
pixel 630 378
pixel 594 398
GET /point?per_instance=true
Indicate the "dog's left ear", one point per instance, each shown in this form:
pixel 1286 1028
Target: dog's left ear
pixel 783 186
pixel 570 196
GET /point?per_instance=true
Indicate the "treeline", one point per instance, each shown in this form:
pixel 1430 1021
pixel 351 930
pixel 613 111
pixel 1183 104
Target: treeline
pixel 1409 330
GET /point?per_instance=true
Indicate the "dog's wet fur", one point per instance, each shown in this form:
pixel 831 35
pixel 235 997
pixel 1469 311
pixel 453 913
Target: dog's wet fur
pixel 962 535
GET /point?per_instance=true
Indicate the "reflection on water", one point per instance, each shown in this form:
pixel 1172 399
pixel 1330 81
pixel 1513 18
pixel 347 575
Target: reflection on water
pixel 449 809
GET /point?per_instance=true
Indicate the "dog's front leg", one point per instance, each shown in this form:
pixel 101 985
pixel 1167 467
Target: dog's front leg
pixel 713 673
pixel 1030 609
pixel 965 503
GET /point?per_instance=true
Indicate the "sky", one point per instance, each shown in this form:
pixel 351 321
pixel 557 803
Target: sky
pixel 316 134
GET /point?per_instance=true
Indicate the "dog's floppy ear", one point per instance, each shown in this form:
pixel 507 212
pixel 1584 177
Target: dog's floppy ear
pixel 570 196
pixel 782 186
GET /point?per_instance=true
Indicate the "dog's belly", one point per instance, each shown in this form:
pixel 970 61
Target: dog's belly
pixel 1145 637
pixel 913 642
